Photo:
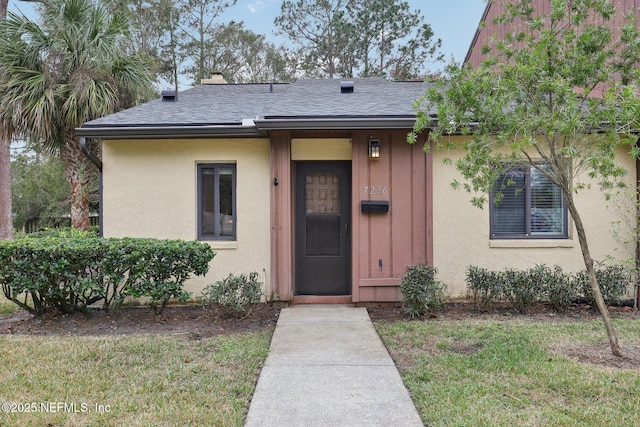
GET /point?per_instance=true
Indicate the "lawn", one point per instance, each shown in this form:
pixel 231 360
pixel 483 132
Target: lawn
pixel 6 306
pixel 507 373
pixel 130 380
pixel 475 372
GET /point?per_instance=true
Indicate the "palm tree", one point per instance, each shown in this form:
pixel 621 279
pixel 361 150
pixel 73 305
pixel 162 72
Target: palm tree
pixel 62 73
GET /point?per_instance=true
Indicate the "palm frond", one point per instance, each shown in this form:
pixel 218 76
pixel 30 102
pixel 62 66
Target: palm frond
pixel 68 70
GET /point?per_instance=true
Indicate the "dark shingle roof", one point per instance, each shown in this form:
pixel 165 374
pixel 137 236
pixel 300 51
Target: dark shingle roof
pixel 227 106
pixel 200 105
pixel 370 98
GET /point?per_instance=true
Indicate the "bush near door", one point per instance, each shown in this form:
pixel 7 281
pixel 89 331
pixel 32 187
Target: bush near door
pixel 421 292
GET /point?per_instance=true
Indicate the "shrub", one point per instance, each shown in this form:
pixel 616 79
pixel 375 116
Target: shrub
pixel 234 296
pixel 53 271
pixel 157 269
pixel 70 270
pixel 614 281
pixel 421 292
pixel 559 288
pixel 487 286
pixel 521 288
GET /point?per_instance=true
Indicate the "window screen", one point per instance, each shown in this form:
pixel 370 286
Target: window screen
pixel 526 204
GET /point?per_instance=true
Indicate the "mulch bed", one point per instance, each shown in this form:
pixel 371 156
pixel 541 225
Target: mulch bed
pixel 194 320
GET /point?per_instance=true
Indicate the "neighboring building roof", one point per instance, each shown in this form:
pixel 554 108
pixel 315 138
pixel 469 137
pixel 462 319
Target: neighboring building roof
pixel 252 109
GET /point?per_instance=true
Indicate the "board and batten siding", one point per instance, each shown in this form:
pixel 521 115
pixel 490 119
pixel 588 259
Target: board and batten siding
pixel 384 245
pixel 490 31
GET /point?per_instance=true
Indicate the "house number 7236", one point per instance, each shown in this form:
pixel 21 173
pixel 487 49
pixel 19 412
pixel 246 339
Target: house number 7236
pixel 375 190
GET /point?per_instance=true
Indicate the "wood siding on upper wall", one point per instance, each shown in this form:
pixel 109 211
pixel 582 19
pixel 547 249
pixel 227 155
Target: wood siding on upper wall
pixel 494 9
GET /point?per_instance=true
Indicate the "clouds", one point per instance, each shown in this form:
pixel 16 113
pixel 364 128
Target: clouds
pixel 256 6
pixel 259 5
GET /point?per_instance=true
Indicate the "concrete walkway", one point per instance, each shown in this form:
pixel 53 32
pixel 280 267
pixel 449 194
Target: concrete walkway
pixel 328 367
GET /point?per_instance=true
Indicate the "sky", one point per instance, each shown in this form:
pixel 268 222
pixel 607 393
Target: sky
pixel 453 21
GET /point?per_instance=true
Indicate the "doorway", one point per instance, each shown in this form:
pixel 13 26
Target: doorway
pixel 323 228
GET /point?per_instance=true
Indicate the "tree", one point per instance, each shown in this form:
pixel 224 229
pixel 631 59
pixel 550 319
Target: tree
pixel 154 33
pixel 199 23
pixel 185 37
pixel 168 55
pixel 555 94
pixel 393 41
pixel 6 212
pixel 243 56
pixel 359 37
pixel 267 62
pixel 321 29
pixel 41 191
pixel 57 76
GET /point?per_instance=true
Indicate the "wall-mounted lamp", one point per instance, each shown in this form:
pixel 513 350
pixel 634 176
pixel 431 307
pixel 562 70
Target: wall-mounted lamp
pixel 374 148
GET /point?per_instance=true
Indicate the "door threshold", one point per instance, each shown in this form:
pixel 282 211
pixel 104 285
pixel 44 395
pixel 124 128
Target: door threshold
pixel 322 299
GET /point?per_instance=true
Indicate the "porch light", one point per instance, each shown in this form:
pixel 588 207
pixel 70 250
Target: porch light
pixel 374 148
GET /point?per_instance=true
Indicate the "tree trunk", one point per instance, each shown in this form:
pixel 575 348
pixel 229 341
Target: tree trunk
pixel 78 171
pixel 3 8
pixel 588 262
pixel 6 210
pixel 6 213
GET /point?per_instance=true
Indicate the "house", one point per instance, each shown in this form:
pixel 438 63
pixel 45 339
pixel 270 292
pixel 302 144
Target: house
pixel 313 185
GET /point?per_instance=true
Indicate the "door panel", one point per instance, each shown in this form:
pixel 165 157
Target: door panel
pixel 323 215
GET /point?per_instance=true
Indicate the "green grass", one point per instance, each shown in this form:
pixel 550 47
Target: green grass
pixel 6 306
pixel 160 380
pixel 487 373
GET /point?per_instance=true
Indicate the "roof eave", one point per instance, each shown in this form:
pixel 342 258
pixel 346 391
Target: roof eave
pixel 148 132
pixel 262 126
pixel 268 124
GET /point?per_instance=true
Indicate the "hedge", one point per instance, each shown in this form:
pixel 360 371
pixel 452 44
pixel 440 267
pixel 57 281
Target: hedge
pixel 70 270
pixel 522 288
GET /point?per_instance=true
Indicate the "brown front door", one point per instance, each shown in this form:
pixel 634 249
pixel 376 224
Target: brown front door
pixel 323 222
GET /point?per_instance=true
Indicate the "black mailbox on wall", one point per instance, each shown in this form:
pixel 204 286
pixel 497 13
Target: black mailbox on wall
pixel 381 206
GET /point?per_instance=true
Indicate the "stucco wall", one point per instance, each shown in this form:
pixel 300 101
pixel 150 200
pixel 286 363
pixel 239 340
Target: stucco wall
pixel 317 149
pixel 461 231
pixel 150 191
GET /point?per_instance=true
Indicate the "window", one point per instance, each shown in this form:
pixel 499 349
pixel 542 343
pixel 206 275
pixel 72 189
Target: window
pixel 217 201
pixel 531 207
